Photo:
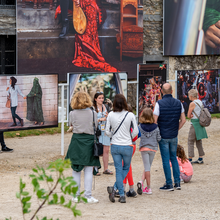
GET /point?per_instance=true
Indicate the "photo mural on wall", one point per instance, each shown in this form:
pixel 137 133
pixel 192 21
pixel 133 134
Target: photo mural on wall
pixel 207 84
pixel 150 81
pixel 109 84
pixel 191 27
pixel 28 101
pixel 79 36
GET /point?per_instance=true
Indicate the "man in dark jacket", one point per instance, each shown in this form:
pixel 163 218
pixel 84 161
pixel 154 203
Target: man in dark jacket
pixel 170 116
pixel 4 148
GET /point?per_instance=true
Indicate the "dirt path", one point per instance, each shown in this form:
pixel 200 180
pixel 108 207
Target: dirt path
pixel 198 199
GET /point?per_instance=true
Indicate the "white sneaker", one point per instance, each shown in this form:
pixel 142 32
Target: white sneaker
pixel 92 200
pixel 181 181
pixel 75 199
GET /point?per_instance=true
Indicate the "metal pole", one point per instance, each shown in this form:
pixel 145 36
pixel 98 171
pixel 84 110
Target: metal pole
pixel 62 120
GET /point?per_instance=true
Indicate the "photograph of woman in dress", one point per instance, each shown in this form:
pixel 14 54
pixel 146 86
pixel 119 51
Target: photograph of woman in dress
pixel 34 104
pixel 13 92
pixel 87 49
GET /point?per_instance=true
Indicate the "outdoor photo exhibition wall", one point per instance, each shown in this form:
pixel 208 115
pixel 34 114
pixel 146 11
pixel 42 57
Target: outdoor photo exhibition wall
pixel 33 101
pixel 191 27
pixel 151 77
pixel 207 84
pixel 111 42
pixel 108 83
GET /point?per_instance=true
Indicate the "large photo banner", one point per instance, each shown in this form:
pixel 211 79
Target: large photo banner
pixel 150 81
pixel 28 102
pixel 207 84
pixel 191 27
pixel 109 84
pixel 79 36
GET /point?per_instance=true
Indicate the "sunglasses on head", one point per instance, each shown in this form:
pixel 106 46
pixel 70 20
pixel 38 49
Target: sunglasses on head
pixel 99 92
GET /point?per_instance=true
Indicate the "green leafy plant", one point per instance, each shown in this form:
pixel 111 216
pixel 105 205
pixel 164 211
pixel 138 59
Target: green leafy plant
pixel 49 196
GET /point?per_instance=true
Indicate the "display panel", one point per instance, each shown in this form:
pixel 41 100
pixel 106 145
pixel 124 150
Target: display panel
pixel 191 27
pixel 207 84
pixel 108 83
pixel 111 39
pixel 32 101
pixel 150 81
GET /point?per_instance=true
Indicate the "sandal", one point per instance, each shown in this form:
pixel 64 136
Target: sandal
pixel 108 172
pixel 98 174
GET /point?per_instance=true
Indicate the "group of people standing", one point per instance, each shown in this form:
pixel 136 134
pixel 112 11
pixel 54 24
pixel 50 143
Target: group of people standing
pixel 120 130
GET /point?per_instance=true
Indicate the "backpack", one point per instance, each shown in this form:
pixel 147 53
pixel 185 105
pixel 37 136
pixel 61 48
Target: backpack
pixel 205 116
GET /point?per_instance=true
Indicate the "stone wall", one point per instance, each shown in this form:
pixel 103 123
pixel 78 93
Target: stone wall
pixel 153 44
pixel 153 48
pixel 25 83
pixel 8 21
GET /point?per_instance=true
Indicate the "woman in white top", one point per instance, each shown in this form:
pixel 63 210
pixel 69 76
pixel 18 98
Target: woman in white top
pixel 196 131
pixel 118 127
pixel 13 91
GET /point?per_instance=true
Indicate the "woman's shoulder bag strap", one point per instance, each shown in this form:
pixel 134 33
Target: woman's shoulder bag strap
pixel 194 111
pixel 93 122
pixel 121 123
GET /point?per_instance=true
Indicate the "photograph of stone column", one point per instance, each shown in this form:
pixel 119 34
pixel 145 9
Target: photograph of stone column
pixel 191 27
pixel 207 84
pixel 79 36
pixel 31 101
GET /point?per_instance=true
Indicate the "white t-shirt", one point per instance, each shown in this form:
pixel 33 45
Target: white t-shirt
pixel 123 135
pixel 157 109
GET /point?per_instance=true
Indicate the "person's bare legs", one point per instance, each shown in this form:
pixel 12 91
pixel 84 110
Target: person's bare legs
pixel 105 157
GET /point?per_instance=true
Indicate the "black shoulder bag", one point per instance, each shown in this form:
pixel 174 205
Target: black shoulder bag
pixel 98 147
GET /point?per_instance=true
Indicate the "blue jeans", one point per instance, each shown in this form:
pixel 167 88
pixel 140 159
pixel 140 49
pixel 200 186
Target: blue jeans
pixel 168 149
pixel 14 115
pixel 120 153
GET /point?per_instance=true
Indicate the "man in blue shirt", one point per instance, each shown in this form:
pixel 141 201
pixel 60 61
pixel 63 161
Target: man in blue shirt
pixel 170 116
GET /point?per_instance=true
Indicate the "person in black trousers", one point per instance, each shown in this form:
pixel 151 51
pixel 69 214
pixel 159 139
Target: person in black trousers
pixel 5 149
pixel 64 4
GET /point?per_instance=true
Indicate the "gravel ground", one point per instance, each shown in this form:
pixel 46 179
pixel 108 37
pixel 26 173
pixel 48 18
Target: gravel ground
pixel 198 199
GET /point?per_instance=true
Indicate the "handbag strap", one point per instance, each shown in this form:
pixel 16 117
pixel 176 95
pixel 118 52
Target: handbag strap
pixel 93 125
pixel 120 123
pixel 195 112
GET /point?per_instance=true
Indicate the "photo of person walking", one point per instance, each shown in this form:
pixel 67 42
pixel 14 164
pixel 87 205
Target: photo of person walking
pixel 13 92
pixel 31 101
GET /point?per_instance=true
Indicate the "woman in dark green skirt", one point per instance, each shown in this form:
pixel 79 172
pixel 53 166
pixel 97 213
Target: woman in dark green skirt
pixel 80 150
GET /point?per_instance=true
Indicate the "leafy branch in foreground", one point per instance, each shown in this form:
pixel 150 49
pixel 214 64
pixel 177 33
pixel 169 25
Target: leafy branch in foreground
pixel 49 197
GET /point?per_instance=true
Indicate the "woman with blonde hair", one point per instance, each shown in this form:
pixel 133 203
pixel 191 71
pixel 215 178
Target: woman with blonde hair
pixel 196 131
pixel 80 150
